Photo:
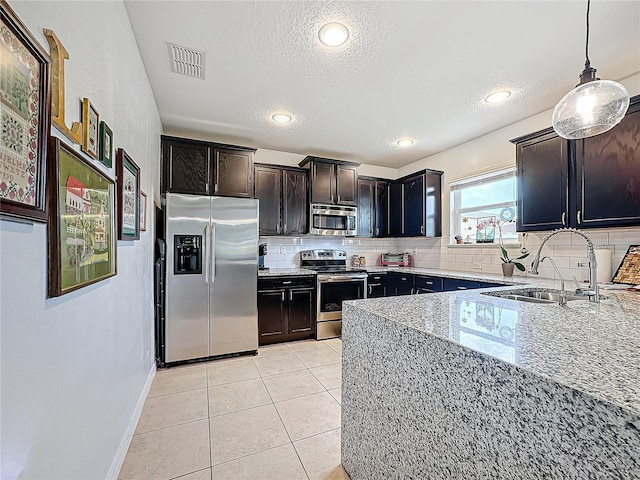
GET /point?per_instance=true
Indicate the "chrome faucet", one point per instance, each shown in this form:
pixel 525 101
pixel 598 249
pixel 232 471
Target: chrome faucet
pixel 593 292
pixel 562 300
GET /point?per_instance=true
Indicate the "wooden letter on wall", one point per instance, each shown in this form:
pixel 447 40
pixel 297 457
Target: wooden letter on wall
pixel 58 55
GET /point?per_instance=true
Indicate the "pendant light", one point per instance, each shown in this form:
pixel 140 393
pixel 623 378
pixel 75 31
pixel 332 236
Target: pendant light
pixel 593 107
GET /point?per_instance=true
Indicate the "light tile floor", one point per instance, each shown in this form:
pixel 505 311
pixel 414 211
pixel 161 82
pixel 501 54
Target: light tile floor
pixel 274 416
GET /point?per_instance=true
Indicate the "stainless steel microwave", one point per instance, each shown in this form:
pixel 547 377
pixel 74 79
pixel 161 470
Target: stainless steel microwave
pixel 333 220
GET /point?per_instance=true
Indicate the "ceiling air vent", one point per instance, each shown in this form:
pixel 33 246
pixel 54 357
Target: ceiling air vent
pixel 186 61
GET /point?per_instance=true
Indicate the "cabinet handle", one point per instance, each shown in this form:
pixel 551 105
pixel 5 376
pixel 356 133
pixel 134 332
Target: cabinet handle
pixel 285 227
pixel 412 291
pixel 331 198
pixel 290 294
pixel 578 216
pixel 422 229
pixel 377 231
pixel 429 283
pixel 206 188
pixel 283 296
pixel 338 198
pixel 462 288
pixel 370 290
pixel 278 228
pixel 215 188
pixel 564 214
pixel 287 282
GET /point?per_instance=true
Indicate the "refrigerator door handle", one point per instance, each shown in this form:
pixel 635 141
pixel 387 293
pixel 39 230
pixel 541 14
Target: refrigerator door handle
pixel 213 253
pixel 206 258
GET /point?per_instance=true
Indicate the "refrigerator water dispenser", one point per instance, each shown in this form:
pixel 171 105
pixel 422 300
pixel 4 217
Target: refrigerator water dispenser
pixel 187 258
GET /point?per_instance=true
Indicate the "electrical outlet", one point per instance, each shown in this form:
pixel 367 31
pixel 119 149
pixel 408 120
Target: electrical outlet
pixel 477 266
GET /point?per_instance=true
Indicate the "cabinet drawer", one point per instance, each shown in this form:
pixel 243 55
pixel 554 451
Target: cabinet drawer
pixel 275 283
pixel 428 283
pixel 458 284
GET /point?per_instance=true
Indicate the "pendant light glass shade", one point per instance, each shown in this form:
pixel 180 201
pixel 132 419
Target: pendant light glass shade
pixel 590 109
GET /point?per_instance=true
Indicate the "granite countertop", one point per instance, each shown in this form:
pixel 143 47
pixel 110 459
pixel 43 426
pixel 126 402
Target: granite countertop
pixel 594 348
pixel 284 272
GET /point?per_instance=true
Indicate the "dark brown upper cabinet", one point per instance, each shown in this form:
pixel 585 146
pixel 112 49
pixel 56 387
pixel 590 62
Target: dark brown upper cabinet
pixel 332 182
pixel 205 168
pixel 282 193
pixel 415 205
pixel 542 164
pixel 373 207
pixel 588 183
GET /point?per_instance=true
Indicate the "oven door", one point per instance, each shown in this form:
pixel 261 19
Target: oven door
pixel 333 289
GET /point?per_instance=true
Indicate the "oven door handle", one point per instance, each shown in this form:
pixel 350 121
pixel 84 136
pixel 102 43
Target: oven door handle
pixel 341 278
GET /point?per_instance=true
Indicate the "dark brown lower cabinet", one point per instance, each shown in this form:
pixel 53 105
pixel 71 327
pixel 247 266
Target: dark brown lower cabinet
pixel 286 309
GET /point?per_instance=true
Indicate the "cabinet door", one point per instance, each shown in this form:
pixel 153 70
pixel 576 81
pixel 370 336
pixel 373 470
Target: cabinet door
pixel 433 212
pixel 294 202
pixel 381 221
pixel 608 176
pixel 233 173
pixel 267 191
pixel 395 209
pixel 271 316
pixel 414 203
pixel 403 283
pixel 376 285
pixel 366 207
pixel 323 182
pixel 301 310
pixel 346 185
pixel 543 194
pixel 186 167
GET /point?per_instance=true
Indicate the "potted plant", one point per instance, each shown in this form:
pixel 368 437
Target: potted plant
pixel 506 216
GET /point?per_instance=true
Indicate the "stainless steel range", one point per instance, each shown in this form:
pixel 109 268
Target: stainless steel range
pixel 336 282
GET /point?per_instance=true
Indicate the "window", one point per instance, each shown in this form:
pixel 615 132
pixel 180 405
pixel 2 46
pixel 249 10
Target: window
pixel 476 199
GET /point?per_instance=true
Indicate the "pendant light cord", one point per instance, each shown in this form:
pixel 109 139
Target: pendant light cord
pixel 586 48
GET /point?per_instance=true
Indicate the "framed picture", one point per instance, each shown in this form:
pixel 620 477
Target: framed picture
pixel 128 197
pixel 90 129
pixel 25 119
pixel 82 245
pixel 629 269
pixel 143 211
pixel 106 145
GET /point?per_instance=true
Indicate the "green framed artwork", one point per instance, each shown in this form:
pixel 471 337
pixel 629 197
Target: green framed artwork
pixel 128 175
pixel 82 245
pixel 106 145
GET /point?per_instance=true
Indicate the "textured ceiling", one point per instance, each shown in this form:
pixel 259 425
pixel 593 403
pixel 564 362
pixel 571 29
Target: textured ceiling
pixel 409 69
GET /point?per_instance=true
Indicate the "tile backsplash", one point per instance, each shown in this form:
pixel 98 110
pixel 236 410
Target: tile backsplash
pixel 565 249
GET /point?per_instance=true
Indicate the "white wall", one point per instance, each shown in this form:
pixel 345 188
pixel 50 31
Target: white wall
pixel 74 367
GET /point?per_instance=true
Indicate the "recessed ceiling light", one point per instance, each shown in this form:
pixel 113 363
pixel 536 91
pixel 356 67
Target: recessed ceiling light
pixel 497 97
pixel 333 34
pixel 405 142
pixel 281 118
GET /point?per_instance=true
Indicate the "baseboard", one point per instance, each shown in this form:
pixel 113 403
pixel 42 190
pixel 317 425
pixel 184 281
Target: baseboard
pixel 118 460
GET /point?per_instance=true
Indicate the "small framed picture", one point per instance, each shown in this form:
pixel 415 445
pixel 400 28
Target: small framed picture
pixel 128 182
pixel 90 124
pixel 106 144
pixel 143 211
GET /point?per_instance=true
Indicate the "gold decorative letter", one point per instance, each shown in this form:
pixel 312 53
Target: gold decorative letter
pixel 58 55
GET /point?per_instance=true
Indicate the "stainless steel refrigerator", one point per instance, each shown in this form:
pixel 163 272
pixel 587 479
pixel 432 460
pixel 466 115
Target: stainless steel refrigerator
pixel 211 276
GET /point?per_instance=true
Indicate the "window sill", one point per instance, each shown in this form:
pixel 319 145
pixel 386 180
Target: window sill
pixel 482 245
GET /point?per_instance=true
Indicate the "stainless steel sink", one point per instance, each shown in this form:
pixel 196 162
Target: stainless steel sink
pixel 538 296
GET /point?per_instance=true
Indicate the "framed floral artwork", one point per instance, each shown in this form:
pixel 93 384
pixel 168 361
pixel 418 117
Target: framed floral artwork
pixel 90 126
pixel 25 119
pixel 82 245
pixel 128 183
pixel 143 211
pixel 106 145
